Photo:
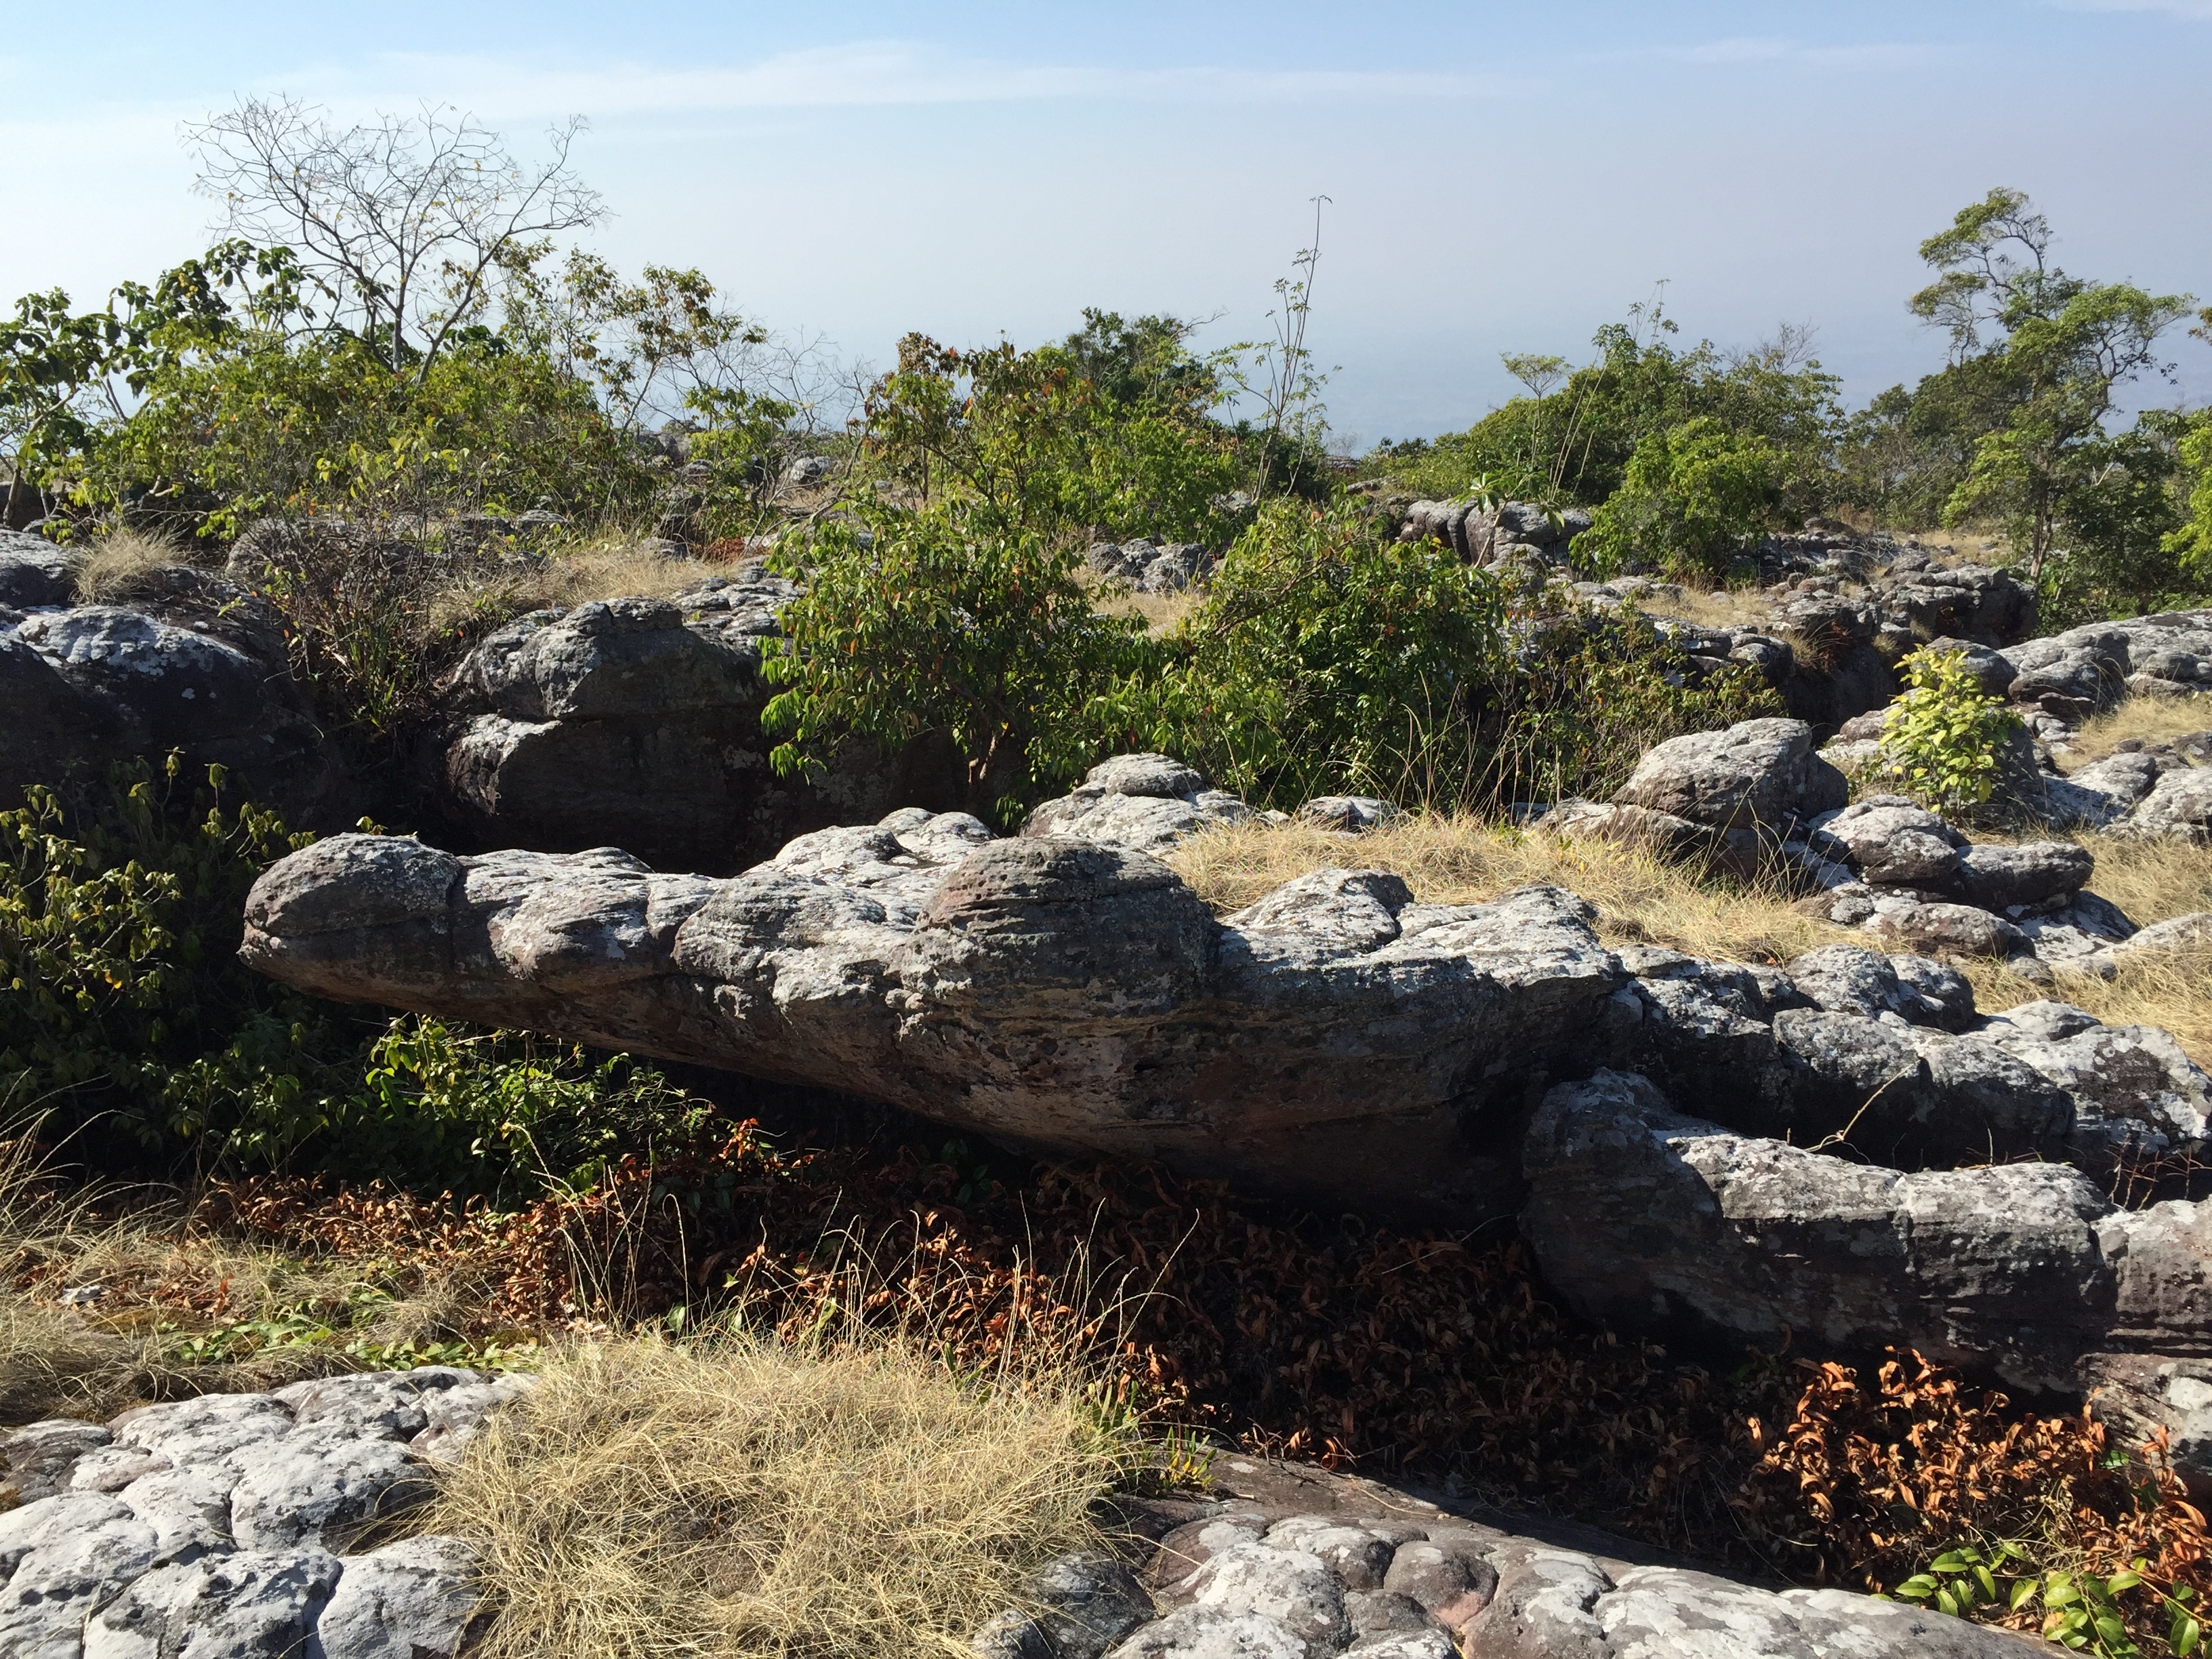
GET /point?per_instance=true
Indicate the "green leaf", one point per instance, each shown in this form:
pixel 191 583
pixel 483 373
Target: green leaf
pixel 2023 1590
pixel 1917 1588
pixel 2184 1634
pixel 1951 1561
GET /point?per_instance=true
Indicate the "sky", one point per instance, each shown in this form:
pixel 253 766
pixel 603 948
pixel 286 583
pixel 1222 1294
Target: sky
pixel 1500 178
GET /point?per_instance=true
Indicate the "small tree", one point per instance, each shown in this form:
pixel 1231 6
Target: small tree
pixel 1943 739
pixel 405 223
pixel 2063 345
pixel 1693 497
pixel 945 623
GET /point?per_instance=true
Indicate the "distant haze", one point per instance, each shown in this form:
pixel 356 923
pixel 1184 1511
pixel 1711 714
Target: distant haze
pixel 1500 178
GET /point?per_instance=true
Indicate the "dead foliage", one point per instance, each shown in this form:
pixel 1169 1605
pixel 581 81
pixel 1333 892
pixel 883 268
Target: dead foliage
pixel 1863 1485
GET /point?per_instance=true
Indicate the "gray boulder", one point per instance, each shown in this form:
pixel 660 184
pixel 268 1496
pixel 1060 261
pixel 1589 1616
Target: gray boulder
pixel 1892 842
pixel 194 665
pixel 1147 803
pixel 2179 807
pixel 1334 1040
pixel 34 572
pixel 637 722
pixel 1641 1216
pixel 1998 878
pixel 1758 773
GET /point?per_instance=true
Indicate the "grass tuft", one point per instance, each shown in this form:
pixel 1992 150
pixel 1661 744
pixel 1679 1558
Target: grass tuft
pixel 744 1498
pixel 116 568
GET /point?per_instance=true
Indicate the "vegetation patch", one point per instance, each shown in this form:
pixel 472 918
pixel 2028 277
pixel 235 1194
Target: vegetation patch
pixel 742 1498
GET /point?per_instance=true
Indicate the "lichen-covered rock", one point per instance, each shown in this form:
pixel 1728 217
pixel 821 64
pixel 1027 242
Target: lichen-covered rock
pixel 1145 802
pixel 195 665
pixel 1890 841
pixel 2179 807
pixel 2000 878
pixel 1756 773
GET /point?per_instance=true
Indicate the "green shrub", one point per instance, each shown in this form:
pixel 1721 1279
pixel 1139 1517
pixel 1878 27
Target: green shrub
pixel 130 1024
pixel 1944 738
pixel 943 624
pixel 127 1013
pixel 1331 657
pixel 1693 499
pixel 1057 442
pixel 500 1112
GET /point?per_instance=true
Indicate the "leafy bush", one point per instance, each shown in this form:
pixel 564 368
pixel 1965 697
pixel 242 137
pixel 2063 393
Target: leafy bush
pixel 1104 433
pixel 1691 499
pixel 126 1008
pixel 948 623
pixel 1944 738
pixel 1331 657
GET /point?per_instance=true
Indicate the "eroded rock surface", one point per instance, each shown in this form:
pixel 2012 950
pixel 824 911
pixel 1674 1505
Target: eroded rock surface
pixel 226 1526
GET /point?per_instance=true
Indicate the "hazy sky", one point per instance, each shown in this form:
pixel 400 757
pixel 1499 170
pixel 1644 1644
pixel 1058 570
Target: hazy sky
pixel 1500 178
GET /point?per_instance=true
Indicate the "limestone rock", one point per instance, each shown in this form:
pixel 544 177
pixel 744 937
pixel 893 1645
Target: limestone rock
pixel 1145 802
pixel 1757 772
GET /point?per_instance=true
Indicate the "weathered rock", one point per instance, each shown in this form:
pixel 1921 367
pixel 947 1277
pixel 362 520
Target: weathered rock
pixel 1642 1218
pixel 249 1605
pixel 66 1557
pixel 1756 773
pixel 1049 991
pixel 1676 841
pixel 38 1458
pixel 1144 802
pixel 1892 841
pixel 1848 979
pixel 34 572
pixel 2136 1095
pixel 1998 878
pixel 2180 806
pixel 412 1600
pixel 2124 779
pixel 1348 814
pixel 197 665
pixel 637 722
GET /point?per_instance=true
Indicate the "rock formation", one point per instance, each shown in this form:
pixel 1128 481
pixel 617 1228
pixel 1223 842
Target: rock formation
pixel 223 1527
pixel 191 663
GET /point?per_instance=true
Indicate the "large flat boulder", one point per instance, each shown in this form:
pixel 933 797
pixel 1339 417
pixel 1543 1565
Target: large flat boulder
pixel 1335 1041
pixel 1756 773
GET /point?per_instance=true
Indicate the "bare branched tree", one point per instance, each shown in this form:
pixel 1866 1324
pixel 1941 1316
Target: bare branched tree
pixel 404 222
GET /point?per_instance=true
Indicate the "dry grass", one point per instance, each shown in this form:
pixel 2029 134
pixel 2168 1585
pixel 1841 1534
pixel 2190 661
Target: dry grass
pixel 575 574
pixel 1716 607
pixel 119 563
pixel 745 1498
pixel 1642 899
pixel 2153 720
pixel 184 1310
pixel 1161 612
pixel 1460 859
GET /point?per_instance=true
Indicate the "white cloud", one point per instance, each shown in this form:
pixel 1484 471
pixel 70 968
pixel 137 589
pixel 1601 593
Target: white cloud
pixel 1771 49
pixel 866 73
pixel 2199 10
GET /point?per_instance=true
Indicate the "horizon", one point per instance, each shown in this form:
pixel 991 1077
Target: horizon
pixel 1496 181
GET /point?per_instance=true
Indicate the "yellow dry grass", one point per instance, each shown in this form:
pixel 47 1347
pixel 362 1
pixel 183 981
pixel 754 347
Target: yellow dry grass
pixel 120 560
pixel 1460 859
pixel 607 568
pixel 2153 720
pixel 177 1280
pixel 1642 899
pixel 743 1497
pixel 1161 612
pixel 1716 607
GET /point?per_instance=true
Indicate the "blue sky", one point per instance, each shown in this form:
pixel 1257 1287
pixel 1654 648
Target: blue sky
pixel 1501 178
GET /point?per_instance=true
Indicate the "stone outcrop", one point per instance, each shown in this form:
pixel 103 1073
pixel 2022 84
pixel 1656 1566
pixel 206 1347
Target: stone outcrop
pixel 1149 803
pixel 1152 567
pixel 1756 773
pixel 1335 1041
pixel 190 663
pixel 1645 1217
pixel 225 1527
pixel 218 1529
pixel 638 722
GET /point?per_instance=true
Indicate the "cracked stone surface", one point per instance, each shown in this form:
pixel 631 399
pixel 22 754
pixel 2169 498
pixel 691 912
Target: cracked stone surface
pixel 225 1527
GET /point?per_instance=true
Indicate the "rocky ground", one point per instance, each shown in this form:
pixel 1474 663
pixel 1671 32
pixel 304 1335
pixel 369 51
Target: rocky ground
pixel 240 1526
